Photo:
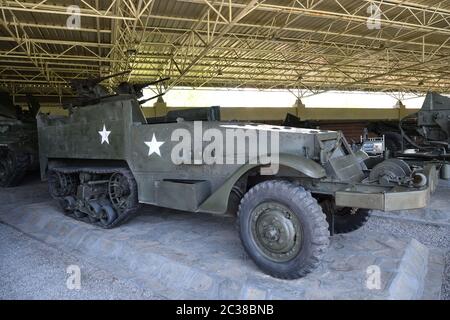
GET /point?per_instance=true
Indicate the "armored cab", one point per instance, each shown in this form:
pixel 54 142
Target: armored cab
pixel 433 119
pixel 18 140
pixel 423 135
pixel 294 186
pixel 432 125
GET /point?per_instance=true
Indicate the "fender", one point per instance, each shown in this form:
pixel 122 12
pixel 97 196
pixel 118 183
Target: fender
pixel 218 201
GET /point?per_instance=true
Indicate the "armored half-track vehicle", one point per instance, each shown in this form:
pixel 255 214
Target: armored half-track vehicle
pixel 18 140
pixel 105 159
pixel 426 131
pixel 429 131
pixel 420 138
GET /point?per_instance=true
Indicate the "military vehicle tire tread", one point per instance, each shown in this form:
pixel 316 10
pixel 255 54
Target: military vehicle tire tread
pixel 352 222
pixel 344 220
pixel 313 222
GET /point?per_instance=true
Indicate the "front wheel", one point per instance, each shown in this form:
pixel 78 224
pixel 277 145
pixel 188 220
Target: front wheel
pixel 283 229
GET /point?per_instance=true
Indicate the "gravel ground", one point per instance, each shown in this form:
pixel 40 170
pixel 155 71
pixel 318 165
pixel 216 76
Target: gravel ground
pixel 30 269
pixel 446 284
pixel 430 235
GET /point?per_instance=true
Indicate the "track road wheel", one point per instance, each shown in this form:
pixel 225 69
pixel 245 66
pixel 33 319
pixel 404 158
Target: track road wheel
pixel 345 219
pixel 107 216
pixel 61 184
pixel 67 204
pixel 95 211
pixel 283 229
pixel 122 192
pixel 13 167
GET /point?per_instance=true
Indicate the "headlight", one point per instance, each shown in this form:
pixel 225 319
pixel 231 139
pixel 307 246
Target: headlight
pixel 4 129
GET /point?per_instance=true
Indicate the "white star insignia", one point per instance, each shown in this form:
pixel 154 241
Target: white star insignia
pixel 105 135
pixel 154 146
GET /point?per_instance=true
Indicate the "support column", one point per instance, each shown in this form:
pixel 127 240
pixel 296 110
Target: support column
pixel 401 109
pixel 300 108
pixel 160 107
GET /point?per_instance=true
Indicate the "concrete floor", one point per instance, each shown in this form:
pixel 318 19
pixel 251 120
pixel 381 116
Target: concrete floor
pixel 167 254
pixel 31 269
pixel 436 213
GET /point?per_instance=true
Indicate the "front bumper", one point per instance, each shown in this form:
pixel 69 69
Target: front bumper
pixel 396 198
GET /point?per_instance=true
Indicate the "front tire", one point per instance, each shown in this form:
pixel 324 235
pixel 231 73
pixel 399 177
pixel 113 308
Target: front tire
pixel 283 229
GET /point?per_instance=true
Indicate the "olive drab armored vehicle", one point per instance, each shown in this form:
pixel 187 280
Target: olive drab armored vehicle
pixel 18 140
pixel 424 134
pixel 105 159
pixel 431 139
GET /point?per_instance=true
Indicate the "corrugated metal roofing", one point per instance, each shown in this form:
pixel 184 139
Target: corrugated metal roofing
pixel 307 44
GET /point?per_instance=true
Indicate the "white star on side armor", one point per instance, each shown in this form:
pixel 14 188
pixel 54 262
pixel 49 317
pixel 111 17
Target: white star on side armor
pixel 154 146
pixel 105 135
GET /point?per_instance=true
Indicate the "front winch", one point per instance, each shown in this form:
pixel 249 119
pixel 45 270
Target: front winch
pixel 396 172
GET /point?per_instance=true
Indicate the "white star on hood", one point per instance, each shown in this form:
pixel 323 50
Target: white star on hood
pixel 105 135
pixel 154 146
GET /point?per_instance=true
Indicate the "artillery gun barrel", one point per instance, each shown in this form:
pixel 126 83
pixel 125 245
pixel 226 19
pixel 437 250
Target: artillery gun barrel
pixel 154 97
pixel 79 84
pixel 139 87
pixel 85 102
pixel 101 79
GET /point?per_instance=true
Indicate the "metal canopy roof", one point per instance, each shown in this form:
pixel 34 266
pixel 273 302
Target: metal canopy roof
pixel 296 44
